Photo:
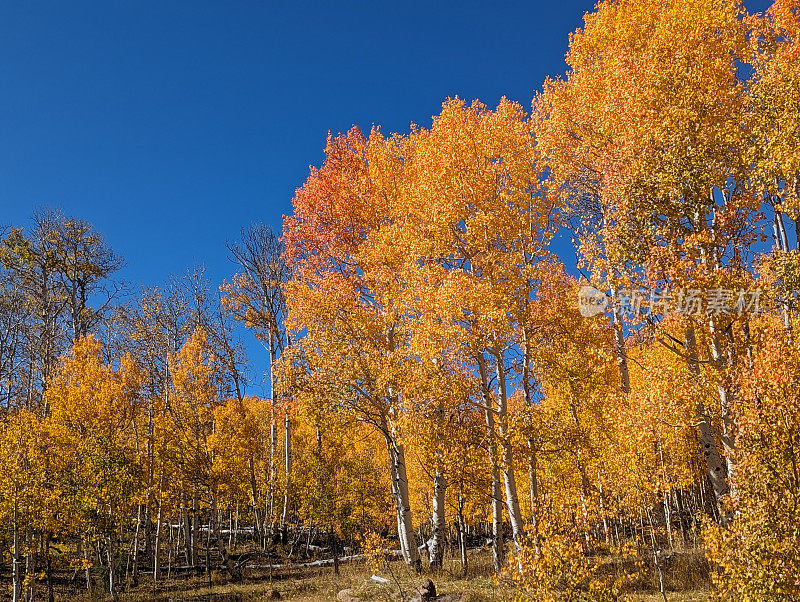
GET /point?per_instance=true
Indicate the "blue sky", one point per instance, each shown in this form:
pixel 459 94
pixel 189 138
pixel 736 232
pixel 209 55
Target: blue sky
pixel 171 125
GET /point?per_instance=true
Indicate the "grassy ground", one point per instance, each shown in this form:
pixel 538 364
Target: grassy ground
pixel 309 585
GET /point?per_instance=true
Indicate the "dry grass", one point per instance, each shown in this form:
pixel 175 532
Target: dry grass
pixel 697 596
pixel 323 584
pixel 312 585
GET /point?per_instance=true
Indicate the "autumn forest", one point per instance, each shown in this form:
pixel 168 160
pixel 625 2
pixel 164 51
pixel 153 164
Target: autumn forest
pixel 452 394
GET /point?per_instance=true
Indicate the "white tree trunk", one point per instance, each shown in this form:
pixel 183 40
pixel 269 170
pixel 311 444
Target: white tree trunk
pixel 498 553
pixel 287 426
pixel 782 244
pixel 16 579
pixel 462 536
pixel 111 555
pixel 438 520
pixel 273 442
pixel 512 498
pixel 399 478
pixel 498 547
pixel 157 544
pixel 725 406
pixel 717 468
pixel 619 345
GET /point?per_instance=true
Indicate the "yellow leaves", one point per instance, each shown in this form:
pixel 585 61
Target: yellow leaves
pixel 652 117
pixel 34 455
pixel 775 87
pixel 755 557
pixel 552 566
pixel 414 254
pixel 85 447
pixel 339 473
pixel 185 422
pixel 88 396
pixel 239 444
pixel 193 374
pixel 374 548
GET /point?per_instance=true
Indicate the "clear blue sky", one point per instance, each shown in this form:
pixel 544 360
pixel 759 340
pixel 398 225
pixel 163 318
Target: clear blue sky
pixel 172 124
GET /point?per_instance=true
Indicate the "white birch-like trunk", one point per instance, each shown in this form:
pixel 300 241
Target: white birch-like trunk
pixel 780 231
pixel 135 568
pixel 111 555
pixel 16 580
pixel 512 498
pixel 532 459
pixel 157 543
pixel 715 463
pixel 619 344
pixel 462 536
pixel 725 408
pixel 195 528
pixel 437 520
pixel 782 244
pixel 287 426
pixel 498 551
pixel 498 536
pixel 273 440
pixel 399 480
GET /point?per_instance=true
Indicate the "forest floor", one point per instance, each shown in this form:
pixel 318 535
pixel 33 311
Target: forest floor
pixel 316 584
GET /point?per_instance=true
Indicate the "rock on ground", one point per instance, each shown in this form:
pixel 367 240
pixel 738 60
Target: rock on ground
pixel 427 593
pixel 346 595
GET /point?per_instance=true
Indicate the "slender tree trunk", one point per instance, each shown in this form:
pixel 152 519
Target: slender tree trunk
pixel 438 520
pixel 602 508
pixel 532 451
pixel 668 519
pixel 48 568
pixel 148 528
pixel 30 567
pixel 498 549
pixel 725 395
pixel 227 563
pixel 172 551
pixel 399 477
pixel 259 525
pixel 135 568
pixel 212 517
pixel 780 231
pixel 782 244
pixel 334 550
pixel 195 528
pixel 797 233
pixel 187 534
pixel 498 536
pixel 619 344
pixel 16 578
pixel 273 438
pixel 111 554
pixel 157 542
pixel 462 536
pixel 113 585
pixel 715 463
pixel 512 498
pixel 236 530
pixel 287 426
